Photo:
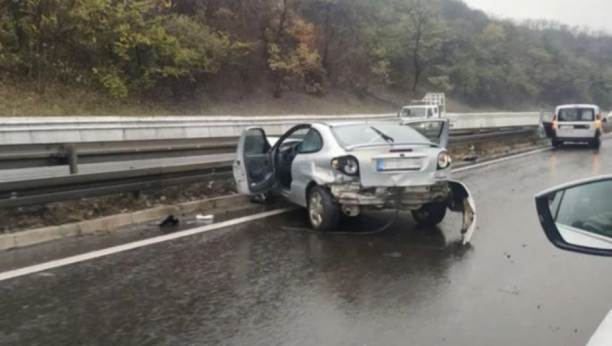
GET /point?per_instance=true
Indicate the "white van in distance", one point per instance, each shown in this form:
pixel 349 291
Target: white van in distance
pixel 577 123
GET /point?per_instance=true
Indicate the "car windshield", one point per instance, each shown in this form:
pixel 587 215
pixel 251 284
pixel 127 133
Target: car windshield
pixel 577 114
pixel 375 134
pixel 414 112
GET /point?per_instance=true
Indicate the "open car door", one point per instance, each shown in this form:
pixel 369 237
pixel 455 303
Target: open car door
pixel 253 168
pixel 436 130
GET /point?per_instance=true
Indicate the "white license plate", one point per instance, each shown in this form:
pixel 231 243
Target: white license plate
pixel 405 164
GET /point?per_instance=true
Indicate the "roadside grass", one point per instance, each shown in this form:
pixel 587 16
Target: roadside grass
pixel 20 98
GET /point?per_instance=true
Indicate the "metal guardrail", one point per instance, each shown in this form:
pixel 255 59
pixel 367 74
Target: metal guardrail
pixel 43 130
pixel 38 155
pixel 47 190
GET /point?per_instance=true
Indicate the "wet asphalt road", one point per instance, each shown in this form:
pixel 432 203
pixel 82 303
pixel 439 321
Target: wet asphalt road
pixel 273 283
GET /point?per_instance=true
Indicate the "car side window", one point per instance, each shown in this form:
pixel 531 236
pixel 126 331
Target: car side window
pixel 256 143
pixel 313 142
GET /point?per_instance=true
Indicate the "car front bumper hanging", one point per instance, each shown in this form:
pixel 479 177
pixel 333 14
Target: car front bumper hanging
pixel 462 202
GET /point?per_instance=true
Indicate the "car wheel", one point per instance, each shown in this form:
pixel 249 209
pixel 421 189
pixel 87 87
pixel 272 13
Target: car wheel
pixel 596 144
pixel 323 212
pixel 430 214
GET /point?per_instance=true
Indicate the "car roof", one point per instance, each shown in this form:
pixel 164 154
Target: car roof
pixel 338 123
pixel 577 106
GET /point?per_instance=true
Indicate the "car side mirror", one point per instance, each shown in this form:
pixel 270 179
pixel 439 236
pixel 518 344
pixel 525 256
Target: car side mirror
pixel 578 217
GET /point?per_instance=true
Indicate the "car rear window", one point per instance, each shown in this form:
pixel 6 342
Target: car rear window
pixel 577 114
pixel 362 134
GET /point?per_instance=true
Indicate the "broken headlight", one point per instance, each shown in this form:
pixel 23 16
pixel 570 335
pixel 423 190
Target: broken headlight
pixel 347 165
pixel 444 160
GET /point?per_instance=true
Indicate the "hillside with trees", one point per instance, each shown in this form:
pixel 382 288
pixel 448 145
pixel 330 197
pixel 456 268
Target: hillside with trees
pixel 183 49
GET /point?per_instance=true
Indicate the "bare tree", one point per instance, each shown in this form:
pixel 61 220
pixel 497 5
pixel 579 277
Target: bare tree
pixel 421 16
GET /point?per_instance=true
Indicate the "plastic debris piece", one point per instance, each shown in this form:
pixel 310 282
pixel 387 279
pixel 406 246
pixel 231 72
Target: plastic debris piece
pixel 205 218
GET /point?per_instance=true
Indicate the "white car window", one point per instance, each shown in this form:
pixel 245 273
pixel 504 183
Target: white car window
pixel 577 114
pixel 313 142
pixel 414 112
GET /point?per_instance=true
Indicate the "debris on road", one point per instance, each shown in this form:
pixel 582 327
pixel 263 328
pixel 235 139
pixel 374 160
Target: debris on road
pixel 471 156
pixel 464 203
pixel 60 213
pixel 513 290
pixel 205 218
pixel 170 221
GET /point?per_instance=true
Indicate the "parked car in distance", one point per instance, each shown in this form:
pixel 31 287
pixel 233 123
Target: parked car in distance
pixel 420 111
pixel 349 167
pixel 432 106
pixel 578 124
pixel 577 217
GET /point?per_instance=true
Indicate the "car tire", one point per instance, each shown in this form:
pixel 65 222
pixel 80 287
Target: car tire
pixel 323 212
pixel 430 214
pixel 596 144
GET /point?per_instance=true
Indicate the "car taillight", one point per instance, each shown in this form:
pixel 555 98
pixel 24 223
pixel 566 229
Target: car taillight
pixel 444 160
pixel 347 165
pixel 554 123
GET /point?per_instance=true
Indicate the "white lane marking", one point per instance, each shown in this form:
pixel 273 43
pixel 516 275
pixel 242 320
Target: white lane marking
pixel 126 247
pixel 603 335
pixel 503 159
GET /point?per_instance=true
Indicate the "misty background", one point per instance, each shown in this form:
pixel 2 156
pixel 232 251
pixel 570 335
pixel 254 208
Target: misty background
pixel 594 14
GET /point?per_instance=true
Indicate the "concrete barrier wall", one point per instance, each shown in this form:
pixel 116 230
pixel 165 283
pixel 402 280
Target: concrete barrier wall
pixel 46 130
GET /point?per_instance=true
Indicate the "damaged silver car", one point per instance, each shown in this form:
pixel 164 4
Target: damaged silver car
pixel 336 168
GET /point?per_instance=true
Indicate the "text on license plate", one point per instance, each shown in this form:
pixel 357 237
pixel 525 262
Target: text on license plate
pixel 411 164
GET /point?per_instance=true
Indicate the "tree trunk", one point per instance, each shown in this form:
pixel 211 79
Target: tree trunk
pixel 420 16
pixel 283 19
pixel 416 61
pixel 417 78
pixel 326 38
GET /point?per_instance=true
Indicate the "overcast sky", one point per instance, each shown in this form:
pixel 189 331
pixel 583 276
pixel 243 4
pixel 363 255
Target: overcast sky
pixel 596 14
